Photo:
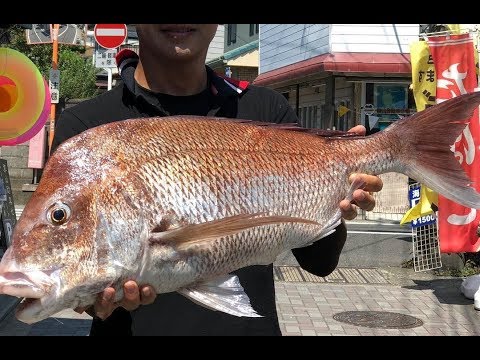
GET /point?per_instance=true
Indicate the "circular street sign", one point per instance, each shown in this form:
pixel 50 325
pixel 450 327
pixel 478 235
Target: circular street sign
pixel 110 36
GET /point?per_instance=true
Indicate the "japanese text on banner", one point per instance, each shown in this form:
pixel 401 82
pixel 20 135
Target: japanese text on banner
pixel 454 61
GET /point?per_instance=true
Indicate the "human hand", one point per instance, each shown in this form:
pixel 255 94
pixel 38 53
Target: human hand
pixel 361 197
pixel 132 299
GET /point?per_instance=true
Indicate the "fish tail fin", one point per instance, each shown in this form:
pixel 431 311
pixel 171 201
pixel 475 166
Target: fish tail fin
pixel 426 152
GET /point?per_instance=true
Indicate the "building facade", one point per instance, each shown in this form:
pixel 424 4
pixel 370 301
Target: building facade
pixel 323 67
pixel 239 58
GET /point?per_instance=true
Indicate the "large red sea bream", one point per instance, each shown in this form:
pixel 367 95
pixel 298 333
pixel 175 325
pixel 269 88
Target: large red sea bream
pixel 181 202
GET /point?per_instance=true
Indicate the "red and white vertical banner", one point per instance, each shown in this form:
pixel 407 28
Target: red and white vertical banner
pixel 454 61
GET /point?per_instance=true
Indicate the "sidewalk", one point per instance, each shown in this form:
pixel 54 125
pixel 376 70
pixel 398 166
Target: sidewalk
pixel 436 303
pixel 308 305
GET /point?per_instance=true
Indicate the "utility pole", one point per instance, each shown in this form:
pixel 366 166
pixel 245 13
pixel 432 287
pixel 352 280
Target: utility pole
pixel 53 106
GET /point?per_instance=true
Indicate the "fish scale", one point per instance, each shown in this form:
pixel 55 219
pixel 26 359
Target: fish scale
pixel 179 181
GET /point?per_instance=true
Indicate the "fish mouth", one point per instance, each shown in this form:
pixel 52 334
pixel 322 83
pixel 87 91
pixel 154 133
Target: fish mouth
pixel 36 287
pixel 19 285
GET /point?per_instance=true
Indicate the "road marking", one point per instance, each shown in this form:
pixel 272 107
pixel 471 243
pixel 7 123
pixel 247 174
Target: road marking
pixel 370 223
pixel 378 232
pixel 63 32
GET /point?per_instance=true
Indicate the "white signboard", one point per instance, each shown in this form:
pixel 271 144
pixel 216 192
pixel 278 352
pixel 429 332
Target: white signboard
pixel 105 58
pixel 54 84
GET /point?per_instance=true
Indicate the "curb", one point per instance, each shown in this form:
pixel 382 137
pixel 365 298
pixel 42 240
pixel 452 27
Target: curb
pixel 378 226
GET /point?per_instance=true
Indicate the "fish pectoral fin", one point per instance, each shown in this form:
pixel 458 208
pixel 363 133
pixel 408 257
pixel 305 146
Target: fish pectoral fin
pixel 198 234
pixel 224 293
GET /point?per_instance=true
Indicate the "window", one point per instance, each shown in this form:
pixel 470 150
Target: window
pixel 252 29
pixel 314 118
pixel 391 101
pixel 344 122
pixel 325 119
pixel 231 34
pixel 308 116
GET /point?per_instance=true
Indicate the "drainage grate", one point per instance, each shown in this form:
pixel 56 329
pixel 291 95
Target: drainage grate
pixel 378 319
pixel 339 275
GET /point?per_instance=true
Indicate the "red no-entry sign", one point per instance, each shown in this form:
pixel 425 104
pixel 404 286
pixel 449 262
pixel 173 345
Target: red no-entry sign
pixel 110 36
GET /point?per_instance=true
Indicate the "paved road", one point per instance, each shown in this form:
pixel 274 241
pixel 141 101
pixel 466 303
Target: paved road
pixel 65 323
pixel 40 33
pixel 376 245
pixel 370 244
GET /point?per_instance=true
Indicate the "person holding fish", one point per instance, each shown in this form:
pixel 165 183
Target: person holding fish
pixel 170 78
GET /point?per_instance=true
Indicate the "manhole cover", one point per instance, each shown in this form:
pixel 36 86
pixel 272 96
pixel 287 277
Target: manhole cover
pixel 378 319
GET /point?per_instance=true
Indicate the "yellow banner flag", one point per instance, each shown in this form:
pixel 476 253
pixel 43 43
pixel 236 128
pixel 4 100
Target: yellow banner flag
pixel 424 86
pixel 424 79
pixel 428 201
pixel 454 28
pixel 342 110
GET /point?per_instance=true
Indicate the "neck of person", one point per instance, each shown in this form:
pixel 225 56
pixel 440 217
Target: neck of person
pixel 177 78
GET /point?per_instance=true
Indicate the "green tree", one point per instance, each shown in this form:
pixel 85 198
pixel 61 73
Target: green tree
pixel 77 73
pixel 77 76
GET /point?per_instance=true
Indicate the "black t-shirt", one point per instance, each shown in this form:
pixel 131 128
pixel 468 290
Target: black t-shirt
pixel 173 314
pixel 198 104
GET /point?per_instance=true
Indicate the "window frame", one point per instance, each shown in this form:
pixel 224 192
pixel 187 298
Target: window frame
pixel 231 34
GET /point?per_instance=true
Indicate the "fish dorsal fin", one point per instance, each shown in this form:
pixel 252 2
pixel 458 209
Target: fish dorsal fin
pixel 295 127
pixel 198 234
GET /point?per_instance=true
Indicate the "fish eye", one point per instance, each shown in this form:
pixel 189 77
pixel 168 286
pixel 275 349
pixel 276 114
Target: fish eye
pixel 59 214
